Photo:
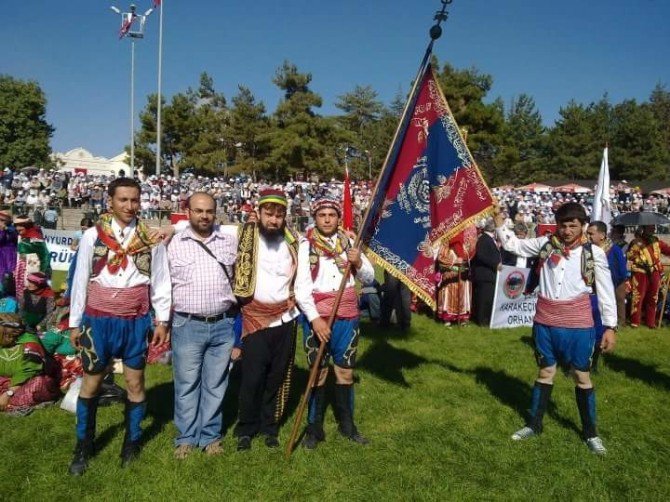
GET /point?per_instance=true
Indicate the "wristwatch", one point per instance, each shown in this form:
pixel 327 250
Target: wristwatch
pixel 613 328
pixel 162 323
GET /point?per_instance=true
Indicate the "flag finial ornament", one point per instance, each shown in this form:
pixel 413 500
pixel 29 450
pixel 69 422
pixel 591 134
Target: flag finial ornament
pixel 440 15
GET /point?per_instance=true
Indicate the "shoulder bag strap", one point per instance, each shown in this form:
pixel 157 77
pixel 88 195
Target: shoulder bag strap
pixel 210 253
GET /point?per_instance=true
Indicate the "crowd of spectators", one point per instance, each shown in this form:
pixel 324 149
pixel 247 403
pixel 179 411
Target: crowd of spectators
pixel 41 193
pixel 161 195
pixel 537 207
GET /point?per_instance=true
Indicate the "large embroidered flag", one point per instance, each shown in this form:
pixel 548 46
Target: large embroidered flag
pixel 429 190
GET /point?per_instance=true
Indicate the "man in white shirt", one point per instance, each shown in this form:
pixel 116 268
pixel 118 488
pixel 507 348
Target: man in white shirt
pixel 322 260
pixel 121 273
pixel 563 328
pixel 267 258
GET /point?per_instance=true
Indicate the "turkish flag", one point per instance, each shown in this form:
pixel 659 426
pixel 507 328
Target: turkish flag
pixel 347 205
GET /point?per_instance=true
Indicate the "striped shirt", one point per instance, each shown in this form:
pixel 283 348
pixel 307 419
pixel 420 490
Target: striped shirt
pixel 199 284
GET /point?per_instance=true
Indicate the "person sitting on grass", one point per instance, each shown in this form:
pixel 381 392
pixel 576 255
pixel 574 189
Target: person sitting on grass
pixel 23 383
pixel 563 330
pixel 8 304
pixel 38 300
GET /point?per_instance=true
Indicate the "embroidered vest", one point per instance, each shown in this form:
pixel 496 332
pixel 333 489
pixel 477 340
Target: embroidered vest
pixel 247 261
pixel 314 255
pixel 588 265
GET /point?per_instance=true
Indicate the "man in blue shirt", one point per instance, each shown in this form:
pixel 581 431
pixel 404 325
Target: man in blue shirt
pixel 616 259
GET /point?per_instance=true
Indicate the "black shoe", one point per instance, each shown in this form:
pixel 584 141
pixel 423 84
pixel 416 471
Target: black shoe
pixel 310 441
pixel 129 453
pixel 271 441
pixel 244 443
pixel 355 436
pixel 314 434
pixel 82 453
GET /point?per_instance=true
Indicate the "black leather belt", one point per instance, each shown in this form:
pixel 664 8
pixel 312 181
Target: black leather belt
pixel 231 312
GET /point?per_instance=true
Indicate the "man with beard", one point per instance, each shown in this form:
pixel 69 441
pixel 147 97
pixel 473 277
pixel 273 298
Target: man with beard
pixel 201 266
pixel 322 259
pixel 267 262
pixel 563 328
pixel 121 273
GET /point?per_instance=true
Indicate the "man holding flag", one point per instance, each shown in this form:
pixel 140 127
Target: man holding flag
pixel 322 261
pixel 569 270
pixel 429 189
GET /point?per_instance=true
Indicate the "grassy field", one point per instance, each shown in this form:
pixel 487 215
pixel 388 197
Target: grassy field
pixel 439 406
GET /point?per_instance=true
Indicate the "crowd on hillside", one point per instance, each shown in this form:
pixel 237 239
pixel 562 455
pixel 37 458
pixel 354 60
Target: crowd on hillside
pixel 164 194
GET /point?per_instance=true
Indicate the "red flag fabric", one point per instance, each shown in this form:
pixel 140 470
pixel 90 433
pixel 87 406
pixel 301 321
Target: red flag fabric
pixel 157 3
pixel 127 23
pixel 347 205
pixel 429 190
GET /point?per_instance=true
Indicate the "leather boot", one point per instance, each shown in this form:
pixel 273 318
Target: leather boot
pixel 134 413
pixel 344 403
pixel 314 433
pixel 87 409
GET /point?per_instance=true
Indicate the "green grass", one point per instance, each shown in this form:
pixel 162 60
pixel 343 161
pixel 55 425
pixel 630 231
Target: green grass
pixel 439 406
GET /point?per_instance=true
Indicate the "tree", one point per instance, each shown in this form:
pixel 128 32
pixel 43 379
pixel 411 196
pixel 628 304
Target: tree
pixel 360 106
pixel 576 142
pixel 659 103
pixel 637 149
pixel 300 141
pixel 211 147
pixel 24 131
pixel 248 132
pixel 524 140
pixel 194 131
pixel 178 132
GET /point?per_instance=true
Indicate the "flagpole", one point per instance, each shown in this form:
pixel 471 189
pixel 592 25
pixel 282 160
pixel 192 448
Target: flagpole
pixel 435 33
pixel 132 108
pixel 159 103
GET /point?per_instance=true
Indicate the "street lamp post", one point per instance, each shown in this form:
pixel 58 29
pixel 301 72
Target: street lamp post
pixel 132 26
pixel 159 103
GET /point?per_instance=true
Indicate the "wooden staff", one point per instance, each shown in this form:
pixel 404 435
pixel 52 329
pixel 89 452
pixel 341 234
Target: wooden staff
pixel 664 288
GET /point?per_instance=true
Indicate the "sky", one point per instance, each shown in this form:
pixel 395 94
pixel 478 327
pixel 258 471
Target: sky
pixel 553 51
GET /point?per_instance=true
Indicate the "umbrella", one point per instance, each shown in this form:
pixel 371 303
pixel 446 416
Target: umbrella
pixel 640 219
pixel 572 188
pixel 536 187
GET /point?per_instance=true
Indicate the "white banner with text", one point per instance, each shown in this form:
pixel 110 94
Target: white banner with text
pixel 512 308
